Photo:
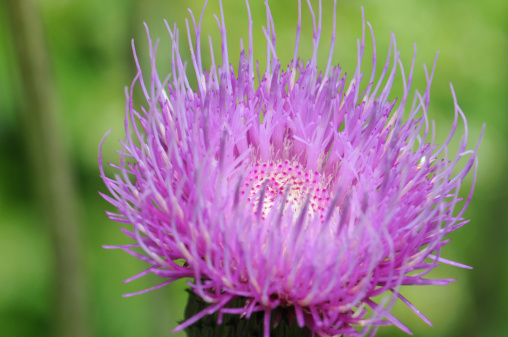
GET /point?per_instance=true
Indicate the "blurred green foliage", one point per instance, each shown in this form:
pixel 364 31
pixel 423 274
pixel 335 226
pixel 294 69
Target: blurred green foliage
pixel 91 63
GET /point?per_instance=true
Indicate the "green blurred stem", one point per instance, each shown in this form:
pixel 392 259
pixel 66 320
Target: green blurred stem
pixel 50 166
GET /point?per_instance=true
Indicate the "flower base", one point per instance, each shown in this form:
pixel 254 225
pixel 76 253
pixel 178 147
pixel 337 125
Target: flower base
pixel 238 326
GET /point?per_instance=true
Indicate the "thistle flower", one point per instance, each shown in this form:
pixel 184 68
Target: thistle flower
pixel 302 198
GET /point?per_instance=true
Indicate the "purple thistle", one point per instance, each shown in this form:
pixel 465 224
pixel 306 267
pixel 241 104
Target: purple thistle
pixel 303 192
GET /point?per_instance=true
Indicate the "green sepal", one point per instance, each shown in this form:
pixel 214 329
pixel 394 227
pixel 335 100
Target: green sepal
pixel 237 326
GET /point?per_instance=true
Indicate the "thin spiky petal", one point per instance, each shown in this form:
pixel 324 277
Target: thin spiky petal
pixel 308 192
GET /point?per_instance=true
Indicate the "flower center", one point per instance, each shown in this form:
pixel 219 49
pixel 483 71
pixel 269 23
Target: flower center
pixel 279 175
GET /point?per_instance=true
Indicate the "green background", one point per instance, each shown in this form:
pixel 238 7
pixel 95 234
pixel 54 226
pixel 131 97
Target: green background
pixel 90 63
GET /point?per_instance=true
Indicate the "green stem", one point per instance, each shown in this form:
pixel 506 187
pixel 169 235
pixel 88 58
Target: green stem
pixel 50 167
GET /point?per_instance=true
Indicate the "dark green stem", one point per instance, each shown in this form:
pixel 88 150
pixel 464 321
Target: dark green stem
pixel 236 326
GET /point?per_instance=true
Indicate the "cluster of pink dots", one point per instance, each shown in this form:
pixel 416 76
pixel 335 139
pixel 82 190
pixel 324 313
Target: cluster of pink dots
pixel 279 175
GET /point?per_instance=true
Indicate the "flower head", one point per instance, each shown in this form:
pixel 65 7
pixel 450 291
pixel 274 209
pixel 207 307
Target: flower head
pixel 309 191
